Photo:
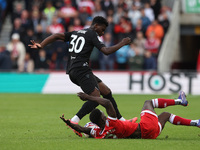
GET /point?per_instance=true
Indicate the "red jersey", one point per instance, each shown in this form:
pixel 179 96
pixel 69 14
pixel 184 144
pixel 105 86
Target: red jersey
pixel 115 128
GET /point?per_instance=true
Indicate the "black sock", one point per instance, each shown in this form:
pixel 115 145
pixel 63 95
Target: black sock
pixel 86 109
pixel 109 96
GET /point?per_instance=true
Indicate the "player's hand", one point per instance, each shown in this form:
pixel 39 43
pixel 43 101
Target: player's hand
pixel 82 96
pixel 35 45
pixel 126 40
pixel 65 120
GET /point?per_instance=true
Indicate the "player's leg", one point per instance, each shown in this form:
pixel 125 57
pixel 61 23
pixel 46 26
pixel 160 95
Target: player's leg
pixel 106 93
pixel 162 103
pixel 85 79
pixel 176 120
pixel 89 85
pixel 148 105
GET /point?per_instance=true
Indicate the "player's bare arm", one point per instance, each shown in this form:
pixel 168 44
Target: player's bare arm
pixel 50 39
pixel 102 101
pixel 112 49
pixel 76 126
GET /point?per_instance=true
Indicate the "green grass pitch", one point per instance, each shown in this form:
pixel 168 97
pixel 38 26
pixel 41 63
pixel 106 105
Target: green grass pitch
pixel 31 121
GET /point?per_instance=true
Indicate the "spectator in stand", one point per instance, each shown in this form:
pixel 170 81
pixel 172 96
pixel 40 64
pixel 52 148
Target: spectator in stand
pixel 17 27
pixel 134 14
pixel 123 4
pixel 152 44
pixel 49 11
pixel 98 10
pixel 67 12
pixel 41 62
pixel 77 24
pixel 17 50
pixel 135 59
pixel 40 33
pixel 107 5
pixel 137 3
pixel 139 27
pixel 122 57
pixel 88 22
pixel 26 40
pixel 36 19
pixel 111 26
pixel 60 57
pixel 124 28
pixel 88 4
pixel 27 64
pixel 118 14
pixel 149 11
pixel 166 10
pixel 107 61
pixel 110 12
pixel 56 47
pixel 139 42
pixel 164 18
pixel 59 3
pixel 18 8
pixel 5 60
pixel 26 22
pixel 84 15
pixel 157 29
pixel 55 26
pixel 156 6
pixel 145 20
pixel 149 61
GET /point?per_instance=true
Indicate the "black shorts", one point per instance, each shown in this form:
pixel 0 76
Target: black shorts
pixel 83 77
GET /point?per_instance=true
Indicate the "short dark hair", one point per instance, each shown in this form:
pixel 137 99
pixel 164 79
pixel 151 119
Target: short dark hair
pixel 100 20
pixel 95 115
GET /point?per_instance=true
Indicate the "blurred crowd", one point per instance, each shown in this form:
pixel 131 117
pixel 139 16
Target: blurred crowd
pixel 144 21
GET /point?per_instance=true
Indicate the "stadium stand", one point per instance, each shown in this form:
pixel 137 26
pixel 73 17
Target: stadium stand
pixel 37 19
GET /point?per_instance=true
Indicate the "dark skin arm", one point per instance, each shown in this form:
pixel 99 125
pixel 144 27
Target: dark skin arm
pixel 102 101
pixel 76 126
pixel 50 39
pixel 114 48
pixel 61 36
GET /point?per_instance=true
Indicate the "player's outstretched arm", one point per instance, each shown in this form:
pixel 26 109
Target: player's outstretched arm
pixel 102 101
pixel 114 48
pixel 76 127
pixel 50 39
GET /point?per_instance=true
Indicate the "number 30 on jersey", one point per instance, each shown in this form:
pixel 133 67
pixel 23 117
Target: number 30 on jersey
pixel 75 42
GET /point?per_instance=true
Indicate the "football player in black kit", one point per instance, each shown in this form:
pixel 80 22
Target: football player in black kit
pixel 81 44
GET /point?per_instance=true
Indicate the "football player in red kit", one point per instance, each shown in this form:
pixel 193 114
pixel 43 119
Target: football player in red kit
pixel 149 127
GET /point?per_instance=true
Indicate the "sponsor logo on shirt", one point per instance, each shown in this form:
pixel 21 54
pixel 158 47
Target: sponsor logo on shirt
pixel 73 57
pixel 85 64
pixel 82 31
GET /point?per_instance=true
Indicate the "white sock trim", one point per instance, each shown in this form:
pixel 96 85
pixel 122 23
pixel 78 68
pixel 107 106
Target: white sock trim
pixel 155 103
pixel 122 119
pixel 75 119
pixel 171 119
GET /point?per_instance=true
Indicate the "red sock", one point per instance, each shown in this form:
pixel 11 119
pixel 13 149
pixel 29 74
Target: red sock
pixel 176 120
pixel 162 103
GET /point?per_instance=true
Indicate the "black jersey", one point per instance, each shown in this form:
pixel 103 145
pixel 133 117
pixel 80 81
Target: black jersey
pixel 81 44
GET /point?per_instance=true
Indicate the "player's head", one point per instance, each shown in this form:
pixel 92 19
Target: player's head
pixel 97 117
pixel 99 24
pixel 100 20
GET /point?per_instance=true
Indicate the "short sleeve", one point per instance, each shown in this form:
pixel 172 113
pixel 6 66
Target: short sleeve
pixel 96 41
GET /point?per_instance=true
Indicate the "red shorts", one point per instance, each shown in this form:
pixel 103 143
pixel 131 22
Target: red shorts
pixel 149 125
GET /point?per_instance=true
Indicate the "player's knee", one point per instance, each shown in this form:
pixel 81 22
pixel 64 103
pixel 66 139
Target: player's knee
pixel 148 102
pixel 104 90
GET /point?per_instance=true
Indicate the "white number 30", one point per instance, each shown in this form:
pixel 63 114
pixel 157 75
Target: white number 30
pixel 75 42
